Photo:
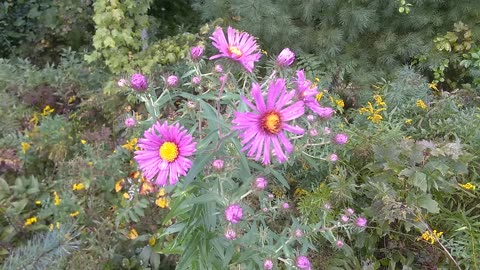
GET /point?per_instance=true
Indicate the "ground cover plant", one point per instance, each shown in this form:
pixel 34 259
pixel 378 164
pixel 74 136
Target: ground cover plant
pixel 219 149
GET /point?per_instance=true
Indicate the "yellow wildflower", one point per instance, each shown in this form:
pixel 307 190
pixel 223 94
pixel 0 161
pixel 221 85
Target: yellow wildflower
pixel 146 188
pixel 317 79
pixel 264 52
pixel 71 99
pixel 430 236
pixel 30 221
pixel 38 202
pixel 47 110
pixel 161 192
pixel 34 120
pixel 375 118
pixel 25 147
pixel 133 234
pixel 408 121
pixel 152 241
pixel 379 100
pixel 83 141
pixel 319 96
pixel 362 110
pixel 51 226
pixel 163 202
pixel 468 186
pixel 340 103
pixel 74 214
pixel 119 185
pixel 90 163
pixel 78 186
pixel 421 104
pixel 56 198
pixel 433 86
pixel 126 195
pixel 131 144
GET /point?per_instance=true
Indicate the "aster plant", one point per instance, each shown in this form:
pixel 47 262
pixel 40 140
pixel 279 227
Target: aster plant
pixel 226 147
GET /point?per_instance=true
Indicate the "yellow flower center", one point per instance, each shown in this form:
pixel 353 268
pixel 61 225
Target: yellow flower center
pixel 271 123
pixel 168 151
pixel 235 51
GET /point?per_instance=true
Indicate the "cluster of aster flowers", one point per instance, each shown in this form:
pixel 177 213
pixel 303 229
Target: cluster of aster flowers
pixel 266 128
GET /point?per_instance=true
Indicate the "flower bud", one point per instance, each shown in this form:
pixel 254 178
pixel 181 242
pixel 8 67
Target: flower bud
pixel 139 82
pixel 172 81
pixel 196 52
pixel 285 58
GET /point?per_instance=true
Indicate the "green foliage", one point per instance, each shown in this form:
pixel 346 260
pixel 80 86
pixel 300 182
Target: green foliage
pixel 355 41
pixel 45 250
pixel 40 30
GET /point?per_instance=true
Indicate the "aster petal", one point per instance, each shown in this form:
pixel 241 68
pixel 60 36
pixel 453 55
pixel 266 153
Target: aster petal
pixel 266 151
pixel 257 96
pixel 278 150
pixel 285 142
pixel 275 88
pixel 293 129
pixel 293 111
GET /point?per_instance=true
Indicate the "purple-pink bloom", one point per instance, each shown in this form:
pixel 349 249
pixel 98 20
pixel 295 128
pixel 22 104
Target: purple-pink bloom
pixel 196 80
pixel 344 218
pixel 230 234
pixel 217 164
pixel 238 46
pixel 339 243
pixel 313 132
pixel 325 113
pixel 310 118
pixel 260 183
pixel 264 128
pixel 361 222
pixel 298 233
pixel 164 153
pixel 196 52
pixel 233 213
pixel 172 81
pixel 285 205
pixel 218 68
pixel 130 122
pixel 139 82
pixel 307 92
pixel 340 138
pixel 285 58
pixel 303 263
pixel 333 157
pixel 122 82
pixel 349 211
pixel 268 264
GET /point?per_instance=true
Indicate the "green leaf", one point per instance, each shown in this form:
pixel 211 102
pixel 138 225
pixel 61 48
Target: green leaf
pixel 420 181
pixel 426 201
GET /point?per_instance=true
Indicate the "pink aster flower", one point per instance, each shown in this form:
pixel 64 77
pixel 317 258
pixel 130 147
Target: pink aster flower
pixel 230 234
pixel 268 264
pixel 234 213
pixel 332 157
pixel 130 122
pixel 361 222
pixel 264 128
pixel 303 263
pixel 218 164
pixel 139 82
pixel 285 58
pixel 298 233
pixel 344 218
pixel 196 80
pixel 260 183
pixel 196 52
pixel 339 243
pixel 172 81
pixel 240 47
pixel 340 138
pixel 218 68
pixel 164 153
pixel 285 205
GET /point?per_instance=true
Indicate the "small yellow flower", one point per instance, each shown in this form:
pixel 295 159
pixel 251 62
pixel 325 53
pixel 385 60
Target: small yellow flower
pixel 50 227
pixel 161 192
pixel 56 198
pixel 83 141
pixel 119 185
pixel 133 234
pixel 126 195
pixel 379 100
pixel 90 163
pixel 468 186
pixel 47 110
pixel 71 99
pixel 433 86
pixel 319 96
pixel 74 214
pixel 317 79
pixel 340 103
pixel 421 104
pixel 78 186
pixel 30 221
pixel 58 225
pixel 131 144
pixel 152 241
pixel 163 202
pixel 375 118
pixel 430 236
pixel 38 202
pixel 363 110
pixel 25 147
pixel 408 121
pixel 34 120
pixel 264 52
